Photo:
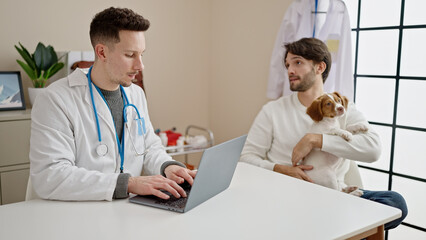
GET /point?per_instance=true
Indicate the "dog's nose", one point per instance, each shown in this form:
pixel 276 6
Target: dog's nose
pixel 340 109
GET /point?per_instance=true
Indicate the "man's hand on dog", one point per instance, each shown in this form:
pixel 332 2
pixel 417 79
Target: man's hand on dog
pixel 294 171
pixel 305 146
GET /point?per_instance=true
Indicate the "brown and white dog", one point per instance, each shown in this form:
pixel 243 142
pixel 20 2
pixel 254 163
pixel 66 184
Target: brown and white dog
pixel 326 111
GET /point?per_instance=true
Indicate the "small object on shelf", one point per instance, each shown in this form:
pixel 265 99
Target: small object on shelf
pixel 172 148
pixel 164 139
pixel 180 142
pixel 201 142
pixel 172 136
pixel 198 141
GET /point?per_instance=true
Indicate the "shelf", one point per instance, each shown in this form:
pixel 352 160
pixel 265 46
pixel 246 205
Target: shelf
pixel 189 148
pixel 15 115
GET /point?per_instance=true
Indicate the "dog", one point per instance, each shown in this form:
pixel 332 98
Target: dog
pixel 326 111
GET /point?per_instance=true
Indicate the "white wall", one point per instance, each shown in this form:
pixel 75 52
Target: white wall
pixel 243 35
pixel 206 61
pixel 176 60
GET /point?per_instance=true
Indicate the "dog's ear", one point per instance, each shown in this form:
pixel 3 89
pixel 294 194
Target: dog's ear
pixel 345 102
pixel 315 110
pixel 344 99
pixel 337 94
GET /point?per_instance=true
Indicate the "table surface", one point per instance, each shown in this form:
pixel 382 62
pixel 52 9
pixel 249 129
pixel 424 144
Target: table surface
pixel 259 204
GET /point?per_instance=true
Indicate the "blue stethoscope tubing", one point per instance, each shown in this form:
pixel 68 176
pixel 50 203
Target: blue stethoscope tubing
pixel 315 17
pixel 102 149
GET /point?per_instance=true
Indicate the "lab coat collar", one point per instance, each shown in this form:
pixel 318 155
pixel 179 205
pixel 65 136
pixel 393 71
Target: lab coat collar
pixel 79 78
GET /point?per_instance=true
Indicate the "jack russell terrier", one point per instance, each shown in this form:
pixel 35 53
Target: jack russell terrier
pixel 326 111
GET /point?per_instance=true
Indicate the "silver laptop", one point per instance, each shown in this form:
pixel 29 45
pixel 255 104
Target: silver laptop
pixel 217 166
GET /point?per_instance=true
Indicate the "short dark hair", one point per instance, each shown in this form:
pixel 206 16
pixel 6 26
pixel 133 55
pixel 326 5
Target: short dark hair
pixel 311 49
pixel 106 25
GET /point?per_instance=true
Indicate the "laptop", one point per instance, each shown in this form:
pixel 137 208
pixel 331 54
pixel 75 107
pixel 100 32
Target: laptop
pixel 215 172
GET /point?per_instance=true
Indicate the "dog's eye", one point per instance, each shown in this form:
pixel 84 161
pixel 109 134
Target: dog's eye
pixel 338 100
pixel 329 104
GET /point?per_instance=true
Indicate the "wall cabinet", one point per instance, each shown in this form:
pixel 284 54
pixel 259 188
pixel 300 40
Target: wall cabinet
pixel 15 129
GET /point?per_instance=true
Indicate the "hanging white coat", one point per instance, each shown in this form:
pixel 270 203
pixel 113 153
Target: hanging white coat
pixel 64 162
pixel 335 31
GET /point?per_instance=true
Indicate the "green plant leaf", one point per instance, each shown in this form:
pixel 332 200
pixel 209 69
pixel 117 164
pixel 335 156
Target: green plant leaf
pixel 53 70
pixel 41 65
pixel 27 69
pixel 38 55
pixel 53 56
pixel 32 62
pixel 42 57
pixel 43 83
pixel 39 82
pixel 26 56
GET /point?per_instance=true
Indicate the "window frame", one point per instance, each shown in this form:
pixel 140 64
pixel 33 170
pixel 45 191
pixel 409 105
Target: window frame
pixel 398 78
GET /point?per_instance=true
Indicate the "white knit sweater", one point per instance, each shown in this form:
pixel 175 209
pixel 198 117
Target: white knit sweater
pixel 282 123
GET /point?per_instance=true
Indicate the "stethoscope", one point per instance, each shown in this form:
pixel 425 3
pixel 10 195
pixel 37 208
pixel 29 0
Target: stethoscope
pixel 102 148
pixel 315 17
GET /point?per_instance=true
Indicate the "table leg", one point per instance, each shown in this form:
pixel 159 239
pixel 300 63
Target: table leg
pixel 377 233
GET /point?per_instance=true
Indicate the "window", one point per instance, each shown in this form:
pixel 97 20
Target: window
pixel 389 47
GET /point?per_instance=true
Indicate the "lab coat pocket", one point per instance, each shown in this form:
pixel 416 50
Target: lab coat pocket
pixel 333 44
pixel 136 133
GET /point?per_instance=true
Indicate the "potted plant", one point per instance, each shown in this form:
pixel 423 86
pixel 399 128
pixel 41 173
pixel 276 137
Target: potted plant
pixel 39 66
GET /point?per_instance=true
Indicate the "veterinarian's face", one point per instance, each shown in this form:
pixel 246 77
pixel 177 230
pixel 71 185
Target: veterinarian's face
pixel 301 72
pixel 124 59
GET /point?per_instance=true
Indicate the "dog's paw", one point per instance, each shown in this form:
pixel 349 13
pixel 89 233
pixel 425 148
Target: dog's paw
pixel 357 193
pixel 341 133
pixel 357 128
pixel 349 189
pixel 346 135
pixel 353 190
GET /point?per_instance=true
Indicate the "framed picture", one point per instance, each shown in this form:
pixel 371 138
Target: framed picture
pixel 11 93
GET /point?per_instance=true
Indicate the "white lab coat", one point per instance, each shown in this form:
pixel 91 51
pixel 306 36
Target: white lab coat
pixel 334 30
pixel 64 162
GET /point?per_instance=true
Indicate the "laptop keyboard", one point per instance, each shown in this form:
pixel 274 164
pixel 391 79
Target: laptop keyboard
pixel 173 201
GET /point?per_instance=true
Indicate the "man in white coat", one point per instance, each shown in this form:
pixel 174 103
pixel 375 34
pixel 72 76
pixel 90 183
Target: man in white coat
pixel 91 137
pixel 279 139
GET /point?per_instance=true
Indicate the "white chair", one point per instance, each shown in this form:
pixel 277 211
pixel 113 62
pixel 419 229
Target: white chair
pixel 353 177
pixel 31 194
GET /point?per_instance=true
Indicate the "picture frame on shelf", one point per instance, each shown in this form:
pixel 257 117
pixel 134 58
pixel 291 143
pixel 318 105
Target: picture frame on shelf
pixel 11 92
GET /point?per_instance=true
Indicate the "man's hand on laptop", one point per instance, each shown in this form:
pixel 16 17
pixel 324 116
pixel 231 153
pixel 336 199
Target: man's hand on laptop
pixel 180 174
pixel 152 185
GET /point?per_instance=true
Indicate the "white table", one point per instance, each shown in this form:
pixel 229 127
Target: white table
pixel 259 204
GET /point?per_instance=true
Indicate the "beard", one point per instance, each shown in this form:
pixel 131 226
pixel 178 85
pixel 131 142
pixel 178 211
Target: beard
pixel 124 81
pixel 125 84
pixel 305 82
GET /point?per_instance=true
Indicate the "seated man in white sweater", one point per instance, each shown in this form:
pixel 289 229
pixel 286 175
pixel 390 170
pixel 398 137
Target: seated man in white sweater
pixel 279 138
